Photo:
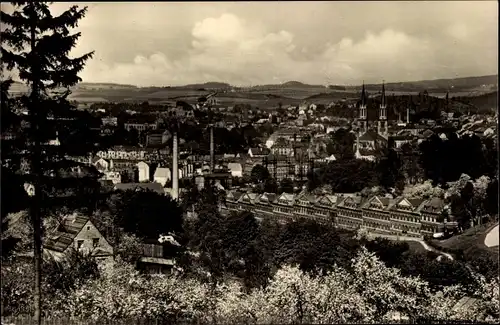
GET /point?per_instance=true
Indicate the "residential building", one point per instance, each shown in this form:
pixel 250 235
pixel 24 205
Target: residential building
pixel 162 175
pixel 79 233
pixel 235 169
pixel 379 215
pixel 143 169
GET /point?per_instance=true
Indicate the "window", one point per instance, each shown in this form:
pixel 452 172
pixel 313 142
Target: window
pixel 79 244
pixel 95 242
pixel 88 227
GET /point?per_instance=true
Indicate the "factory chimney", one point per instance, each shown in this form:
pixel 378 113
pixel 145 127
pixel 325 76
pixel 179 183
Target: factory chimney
pixel 175 168
pixel 212 149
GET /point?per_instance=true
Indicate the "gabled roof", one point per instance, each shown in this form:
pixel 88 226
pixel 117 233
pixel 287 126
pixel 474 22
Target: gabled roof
pixel 350 201
pixel 433 205
pixel 234 167
pixel 64 236
pixel 73 224
pixel 267 198
pixel 407 204
pixel 233 195
pixel 305 199
pixel 328 200
pixel 247 197
pixel 162 172
pixel 286 198
pixel 377 202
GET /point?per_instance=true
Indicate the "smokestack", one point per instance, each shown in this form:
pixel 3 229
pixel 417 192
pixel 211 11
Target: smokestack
pixel 212 150
pixel 357 142
pixel 407 116
pixel 175 169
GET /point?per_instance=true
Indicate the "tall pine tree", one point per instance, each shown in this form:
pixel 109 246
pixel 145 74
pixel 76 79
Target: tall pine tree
pixel 36 45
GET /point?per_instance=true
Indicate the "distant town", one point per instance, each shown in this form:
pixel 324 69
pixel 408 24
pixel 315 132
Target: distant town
pixel 213 203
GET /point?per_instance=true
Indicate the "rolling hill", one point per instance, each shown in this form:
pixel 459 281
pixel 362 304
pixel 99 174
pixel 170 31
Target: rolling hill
pixel 291 92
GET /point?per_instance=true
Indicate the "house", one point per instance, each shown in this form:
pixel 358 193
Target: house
pixel 162 175
pixel 157 257
pixel 154 187
pixel 112 176
pixel 111 121
pixel 78 232
pixel 235 169
pixel 122 152
pixel 258 152
pixel 143 171
pixel 102 165
pixel 157 138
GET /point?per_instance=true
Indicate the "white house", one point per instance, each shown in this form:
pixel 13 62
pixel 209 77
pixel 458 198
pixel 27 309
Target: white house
pixel 235 169
pixel 143 171
pixel 162 175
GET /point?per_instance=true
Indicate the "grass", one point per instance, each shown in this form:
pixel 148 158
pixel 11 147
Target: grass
pixel 416 247
pixel 470 240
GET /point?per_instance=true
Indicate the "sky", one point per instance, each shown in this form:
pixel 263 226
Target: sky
pixel 251 43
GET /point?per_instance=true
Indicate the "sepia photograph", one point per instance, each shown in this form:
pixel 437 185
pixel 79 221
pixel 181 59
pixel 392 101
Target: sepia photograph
pixel 249 162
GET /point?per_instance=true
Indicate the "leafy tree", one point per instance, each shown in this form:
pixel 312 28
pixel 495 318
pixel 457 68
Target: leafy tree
pixel 37 44
pixel 389 169
pixel 286 186
pixel 342 144
pixel 145 214
pixel 259 174
pixel 345 176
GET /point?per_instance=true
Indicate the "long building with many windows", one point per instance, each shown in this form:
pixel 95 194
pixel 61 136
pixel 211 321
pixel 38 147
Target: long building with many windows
pixel 379 215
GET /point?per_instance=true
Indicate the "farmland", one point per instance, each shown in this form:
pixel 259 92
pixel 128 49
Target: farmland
pixel 479 89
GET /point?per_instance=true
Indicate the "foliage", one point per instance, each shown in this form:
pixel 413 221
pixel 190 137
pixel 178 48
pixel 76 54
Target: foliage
pixel 423 191
pixel 259 174
pixel 286 186
pixel 345 176
pixel 445 160
pixel 61 277
pixel 145 214
pixel 341 144
pixel 371 292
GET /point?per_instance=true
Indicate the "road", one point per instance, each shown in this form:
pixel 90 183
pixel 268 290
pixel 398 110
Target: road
pixel 491 239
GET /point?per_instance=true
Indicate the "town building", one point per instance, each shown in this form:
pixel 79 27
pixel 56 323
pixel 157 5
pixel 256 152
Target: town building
pixel 377 214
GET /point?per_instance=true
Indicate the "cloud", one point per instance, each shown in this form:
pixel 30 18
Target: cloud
pixel 227 48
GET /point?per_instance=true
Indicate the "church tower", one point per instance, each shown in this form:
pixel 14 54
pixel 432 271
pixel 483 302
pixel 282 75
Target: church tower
pixel 363 112
pixel 382 116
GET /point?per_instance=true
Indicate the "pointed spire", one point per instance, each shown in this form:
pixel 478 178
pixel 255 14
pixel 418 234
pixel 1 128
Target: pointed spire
pixel 383 100
pixel 363 95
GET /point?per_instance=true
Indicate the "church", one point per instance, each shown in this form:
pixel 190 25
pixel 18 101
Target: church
pixel 369 142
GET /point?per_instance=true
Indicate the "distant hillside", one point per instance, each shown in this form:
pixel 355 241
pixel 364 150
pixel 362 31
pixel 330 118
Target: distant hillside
pixel 102 86
pixel 487 83
pixel 207 85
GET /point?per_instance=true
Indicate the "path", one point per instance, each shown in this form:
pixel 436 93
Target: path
pixel 491 239
pixel 431 249
pixel 423 243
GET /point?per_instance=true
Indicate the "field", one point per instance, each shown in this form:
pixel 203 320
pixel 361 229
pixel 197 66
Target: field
pixel 290 93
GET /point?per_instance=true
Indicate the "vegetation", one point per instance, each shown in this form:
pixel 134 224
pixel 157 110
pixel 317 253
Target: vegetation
pixel 36 44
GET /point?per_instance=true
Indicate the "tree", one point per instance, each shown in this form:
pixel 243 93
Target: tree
pixel 342 144
pixel 389 169
pixel 37 44
pixel 259 174
pixel 286 186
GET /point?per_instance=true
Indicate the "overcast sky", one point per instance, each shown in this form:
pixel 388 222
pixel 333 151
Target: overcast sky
pixel 252 43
